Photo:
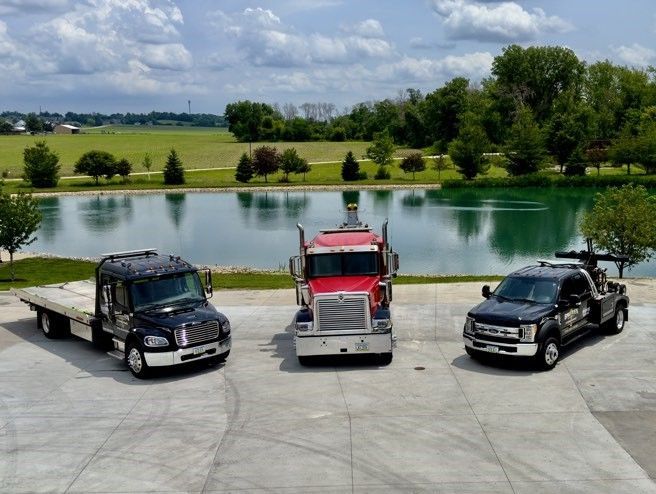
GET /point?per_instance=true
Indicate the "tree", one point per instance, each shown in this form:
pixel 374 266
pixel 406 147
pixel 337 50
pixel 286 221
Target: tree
pixel 33 123
pixel 381 152
pixel 266 160
pixel 467 150
pixel 96 164
pixel 440 164
pixel 244 171
pixel 350 168
pixel 623 221
pixel 41 165
pixel 123 169
pixel 290 161
pixel 173 171
pixel 525 149
pixel 245 119
pixel 303 167
pixel 596 154
pixel 19 219
pixel 5 127
pixel 624 151
pixel 147 163
pixel 413 163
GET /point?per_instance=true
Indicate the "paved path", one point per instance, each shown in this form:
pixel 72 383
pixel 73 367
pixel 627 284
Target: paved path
pixel 74 420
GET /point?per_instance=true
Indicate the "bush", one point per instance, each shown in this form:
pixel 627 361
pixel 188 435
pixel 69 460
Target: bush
pixel 96 164
pixel 350 168
pixel 41 166
pixel 244 170
pixel 545 180
pixel 173 171
pixel 382 173
pixel 123 168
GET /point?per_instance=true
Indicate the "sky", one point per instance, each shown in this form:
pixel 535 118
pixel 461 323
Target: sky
pixel 141 55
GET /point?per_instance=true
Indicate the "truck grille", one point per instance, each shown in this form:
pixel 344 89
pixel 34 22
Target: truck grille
pixel 191 335
pixel 349 314
pixel 498 332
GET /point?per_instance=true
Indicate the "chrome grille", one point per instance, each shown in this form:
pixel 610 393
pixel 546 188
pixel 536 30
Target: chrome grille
pixel 349 314
pixel 193 334
pixel 498 331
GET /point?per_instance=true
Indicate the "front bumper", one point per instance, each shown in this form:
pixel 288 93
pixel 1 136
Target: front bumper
pixel 513 349
pixel 184 355
pixel 343 344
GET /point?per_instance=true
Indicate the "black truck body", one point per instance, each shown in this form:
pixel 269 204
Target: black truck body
pixel 536 310
pixel 146 308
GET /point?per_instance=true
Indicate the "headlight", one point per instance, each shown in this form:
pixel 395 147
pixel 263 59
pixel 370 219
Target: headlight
pixel 304 326
pixel 527 332
pixel 381 325
pixel 469 325
pixel 155 341
pixel 225 326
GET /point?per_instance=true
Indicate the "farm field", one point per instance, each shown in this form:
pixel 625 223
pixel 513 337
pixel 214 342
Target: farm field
pixel 197 147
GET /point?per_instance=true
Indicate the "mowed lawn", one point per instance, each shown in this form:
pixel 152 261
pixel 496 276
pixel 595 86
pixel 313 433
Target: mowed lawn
pixel 197 147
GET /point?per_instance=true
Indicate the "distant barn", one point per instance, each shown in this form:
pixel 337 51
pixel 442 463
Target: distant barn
pixel 66 129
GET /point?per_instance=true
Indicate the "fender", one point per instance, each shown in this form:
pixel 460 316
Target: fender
pixel 139 333
pixel 550 326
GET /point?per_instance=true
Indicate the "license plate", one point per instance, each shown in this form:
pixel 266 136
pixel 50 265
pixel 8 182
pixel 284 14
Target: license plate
pixel 492 349
pixel 362 346
pixel 199 350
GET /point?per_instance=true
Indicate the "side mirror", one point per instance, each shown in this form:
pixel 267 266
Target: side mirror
pixel 208 283
pixel 486 291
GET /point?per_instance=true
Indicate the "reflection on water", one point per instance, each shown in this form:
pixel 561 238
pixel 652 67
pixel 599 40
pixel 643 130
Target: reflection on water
pixel 434 231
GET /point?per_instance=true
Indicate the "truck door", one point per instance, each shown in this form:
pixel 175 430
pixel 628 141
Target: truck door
pixel 575 314
pixel 115 309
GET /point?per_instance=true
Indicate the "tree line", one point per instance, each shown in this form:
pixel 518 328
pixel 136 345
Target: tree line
pixel 541 105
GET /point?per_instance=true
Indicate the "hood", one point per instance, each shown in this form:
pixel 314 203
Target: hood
pixel 172 318
pixel 506 312
pixel 336 284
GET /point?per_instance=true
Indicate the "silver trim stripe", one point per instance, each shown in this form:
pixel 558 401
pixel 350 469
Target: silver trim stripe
pixel 198 333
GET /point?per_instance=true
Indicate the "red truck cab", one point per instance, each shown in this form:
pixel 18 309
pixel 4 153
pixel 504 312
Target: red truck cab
pixel 343 282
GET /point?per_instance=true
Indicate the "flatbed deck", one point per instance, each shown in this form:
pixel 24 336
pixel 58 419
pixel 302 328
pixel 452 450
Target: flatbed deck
pixel 74 299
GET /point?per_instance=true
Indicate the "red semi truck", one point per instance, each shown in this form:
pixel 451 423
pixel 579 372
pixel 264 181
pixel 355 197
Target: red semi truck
pixel 343 282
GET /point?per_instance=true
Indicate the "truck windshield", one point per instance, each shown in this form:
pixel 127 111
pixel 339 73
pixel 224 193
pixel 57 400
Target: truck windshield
pixel 343 264
pixel 176 289
pixel 522 289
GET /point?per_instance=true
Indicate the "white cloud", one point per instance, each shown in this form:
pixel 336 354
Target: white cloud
pixel 15 7
pixel 264 40
pixel 502 22
pixel 423 70
pixel 636 55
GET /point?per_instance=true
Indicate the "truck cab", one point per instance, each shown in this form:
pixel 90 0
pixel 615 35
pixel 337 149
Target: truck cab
pixel 343 280
pixel 536 310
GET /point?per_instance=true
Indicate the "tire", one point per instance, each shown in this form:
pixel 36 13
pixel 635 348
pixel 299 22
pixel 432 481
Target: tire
pixel 135 360
pixel 474 354
pixel 48 324
pixel 548 354
pixel 386 358
pixel 304 360
pixel 616 323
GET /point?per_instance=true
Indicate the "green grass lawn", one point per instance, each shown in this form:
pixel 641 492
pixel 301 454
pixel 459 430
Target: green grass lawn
pixel 34 271
pixel 196 147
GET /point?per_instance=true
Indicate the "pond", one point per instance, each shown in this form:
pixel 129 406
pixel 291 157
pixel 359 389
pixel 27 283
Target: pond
pixel 487 231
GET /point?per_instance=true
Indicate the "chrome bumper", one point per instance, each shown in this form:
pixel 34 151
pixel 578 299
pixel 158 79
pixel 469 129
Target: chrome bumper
pixel 161 359
pixel 522 349
pixel 344 344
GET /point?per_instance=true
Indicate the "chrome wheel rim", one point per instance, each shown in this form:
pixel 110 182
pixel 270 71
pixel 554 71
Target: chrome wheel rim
pixel 134 360
pixel 551 354
pixel 619 319
pixel 45 323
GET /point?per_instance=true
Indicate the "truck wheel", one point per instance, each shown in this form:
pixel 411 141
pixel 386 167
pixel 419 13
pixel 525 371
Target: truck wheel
pixel 304 360
pixel 48 324
pixel 616 324
pixel 472 353
pixel 386 358
pixel 548 354
pixel 135 360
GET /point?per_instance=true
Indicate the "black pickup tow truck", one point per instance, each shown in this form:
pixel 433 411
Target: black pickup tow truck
pixel 537 309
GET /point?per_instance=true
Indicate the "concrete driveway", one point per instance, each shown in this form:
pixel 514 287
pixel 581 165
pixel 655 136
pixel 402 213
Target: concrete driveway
pixel 73 419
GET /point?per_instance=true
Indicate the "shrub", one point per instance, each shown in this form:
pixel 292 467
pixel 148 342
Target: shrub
pixel 96 164
pixel 350 168
pixel 244 170
pixel 173 171
pixel 41 166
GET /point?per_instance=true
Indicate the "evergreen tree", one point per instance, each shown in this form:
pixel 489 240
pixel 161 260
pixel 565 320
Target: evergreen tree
pixel 244 170
pixel 350 168
pixel 467 150
pixel 525 149
pixel 173 171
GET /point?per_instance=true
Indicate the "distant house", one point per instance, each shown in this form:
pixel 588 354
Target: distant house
pixel 66 129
